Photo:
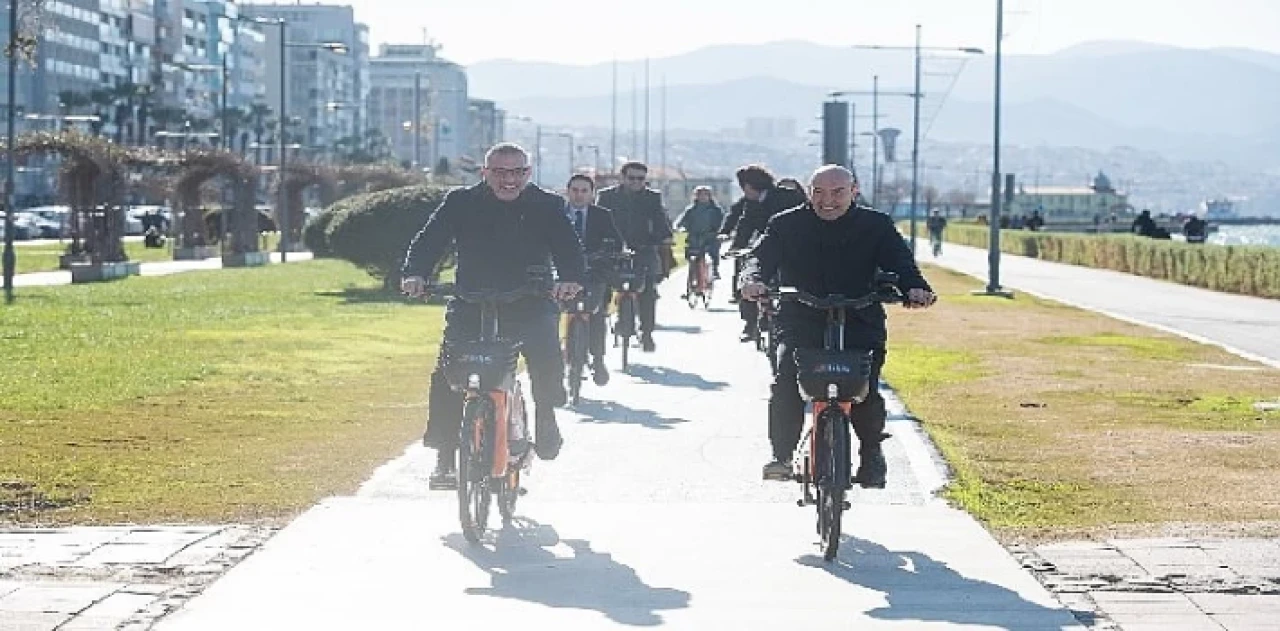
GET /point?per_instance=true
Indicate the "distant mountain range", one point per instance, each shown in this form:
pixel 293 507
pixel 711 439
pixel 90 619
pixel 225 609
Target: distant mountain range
pixel 1221 103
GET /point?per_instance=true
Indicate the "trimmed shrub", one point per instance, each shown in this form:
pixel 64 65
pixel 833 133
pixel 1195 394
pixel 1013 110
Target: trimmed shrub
pixel 373 231
pixel 1248 270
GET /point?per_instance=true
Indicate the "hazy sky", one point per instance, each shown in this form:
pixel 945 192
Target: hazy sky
pixel 574 31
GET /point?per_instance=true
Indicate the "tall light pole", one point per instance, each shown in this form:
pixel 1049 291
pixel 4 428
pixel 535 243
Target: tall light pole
pixel 596 149
pixel 417 120
pixel 993 287
pixel 285 45
pixel 875 141
pixel 568 136
pixel 915 125
pixel 11 124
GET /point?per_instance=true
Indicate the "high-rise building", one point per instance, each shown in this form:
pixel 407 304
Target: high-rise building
pixel 445 127
pixel 326 89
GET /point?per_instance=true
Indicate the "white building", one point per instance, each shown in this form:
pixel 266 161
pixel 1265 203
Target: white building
pixel 445 126
pixel 1071 203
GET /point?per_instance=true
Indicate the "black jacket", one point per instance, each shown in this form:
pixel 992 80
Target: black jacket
pixel 496 241
pixel 640 216
pixel 754 216
pixel 833 257
pixel 733 217
pixel 602 235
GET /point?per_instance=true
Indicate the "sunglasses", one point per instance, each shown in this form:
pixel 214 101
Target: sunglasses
pixel 636 178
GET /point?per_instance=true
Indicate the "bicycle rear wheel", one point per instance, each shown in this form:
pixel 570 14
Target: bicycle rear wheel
pixel 473 468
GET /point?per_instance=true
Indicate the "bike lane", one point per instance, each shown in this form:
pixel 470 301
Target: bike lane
pixel 654 515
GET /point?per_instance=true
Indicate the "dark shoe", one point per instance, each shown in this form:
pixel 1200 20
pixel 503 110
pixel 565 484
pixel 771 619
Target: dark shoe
pixel 547 442
pixel 600 374
pixel 445 475
pixel 715 274
pixel 873 469
pixel 646 343
pixel 749 333
pixel 778 470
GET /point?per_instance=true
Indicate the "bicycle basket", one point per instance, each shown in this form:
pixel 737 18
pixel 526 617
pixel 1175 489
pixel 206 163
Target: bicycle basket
pixel 493 361
pixel 849 371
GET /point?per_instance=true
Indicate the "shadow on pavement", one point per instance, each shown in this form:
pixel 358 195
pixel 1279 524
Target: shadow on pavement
pixel 613 412
pixel 917 587
pixel 677 328
pixel 530 562
pixel 662 376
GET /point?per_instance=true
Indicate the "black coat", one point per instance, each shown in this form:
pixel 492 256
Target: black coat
pixel 754 216
pixel 640 218
pixel 842 256
pixel 496 241
pixel 602 236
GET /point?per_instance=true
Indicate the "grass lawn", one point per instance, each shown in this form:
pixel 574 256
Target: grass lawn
pixel 1060 422
pixel 207 396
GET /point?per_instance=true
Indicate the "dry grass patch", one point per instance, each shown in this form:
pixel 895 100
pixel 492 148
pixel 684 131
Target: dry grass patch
pixel 1058 421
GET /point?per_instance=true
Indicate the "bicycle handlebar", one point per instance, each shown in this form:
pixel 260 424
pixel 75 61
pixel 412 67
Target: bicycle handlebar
pixel 503 297
pixel 887 294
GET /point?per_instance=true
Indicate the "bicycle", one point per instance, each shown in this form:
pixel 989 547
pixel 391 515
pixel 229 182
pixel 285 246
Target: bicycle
pixel 765 342
pixel 834 379
pixel 628 285
pixel 577 328
pixel 699 284
pixel 493 442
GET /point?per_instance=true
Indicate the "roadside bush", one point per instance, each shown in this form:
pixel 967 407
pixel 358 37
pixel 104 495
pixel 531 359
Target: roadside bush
pixel 1248 270
pixel 373 231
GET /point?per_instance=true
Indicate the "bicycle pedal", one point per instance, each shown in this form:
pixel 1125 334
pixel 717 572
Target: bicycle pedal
pixel 522 491
pixel 846 505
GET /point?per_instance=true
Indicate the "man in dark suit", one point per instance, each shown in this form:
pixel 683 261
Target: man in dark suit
pixel 599 235
pixel 761 200
pixel 640 217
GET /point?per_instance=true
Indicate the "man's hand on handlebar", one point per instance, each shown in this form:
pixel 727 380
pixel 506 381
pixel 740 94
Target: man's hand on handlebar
pixel 565 291
pixel 755 291
pixel 413 286
pixel 919 299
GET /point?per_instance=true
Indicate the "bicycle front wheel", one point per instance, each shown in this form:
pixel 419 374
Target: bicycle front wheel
pixel 577 343
pixel 473 468
pixel 834 474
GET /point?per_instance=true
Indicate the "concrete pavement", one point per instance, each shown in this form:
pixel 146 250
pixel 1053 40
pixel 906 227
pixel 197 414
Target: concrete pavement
pixel 156 268
pixel 654 515
pixel 1243 325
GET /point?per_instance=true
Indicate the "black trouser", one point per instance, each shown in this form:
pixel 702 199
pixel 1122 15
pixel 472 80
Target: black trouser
pixel 649 270
pixel 786 406
pixel 601 298
pixel 534 323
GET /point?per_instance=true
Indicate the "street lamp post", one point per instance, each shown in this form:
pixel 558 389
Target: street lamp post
pixel 915 125
pixel 568 136
pixel 596 149
pixel 417 120
pixel 11 124
pixel 993 287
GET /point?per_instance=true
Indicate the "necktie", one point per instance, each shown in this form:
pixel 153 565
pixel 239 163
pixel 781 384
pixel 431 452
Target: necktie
pixel 577 222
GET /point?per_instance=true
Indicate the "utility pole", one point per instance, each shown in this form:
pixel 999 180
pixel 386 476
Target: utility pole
pixel 646 110
pixel 915 146
pixel 875 140
pixel 417 121
pixel 613 125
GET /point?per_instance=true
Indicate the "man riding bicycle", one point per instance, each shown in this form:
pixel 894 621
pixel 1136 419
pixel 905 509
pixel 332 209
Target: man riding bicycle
pixel 936 225
pixel 498 229
pixel 702 220
pixel 598 235
pixel 762 200
pixel 640 217
pixel 829 246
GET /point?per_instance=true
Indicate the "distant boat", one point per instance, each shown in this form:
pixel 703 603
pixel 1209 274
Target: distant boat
pixel 1221 208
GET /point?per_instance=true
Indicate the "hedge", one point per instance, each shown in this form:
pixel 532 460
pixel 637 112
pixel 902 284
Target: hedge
pixel 1248 270
pixel 373 230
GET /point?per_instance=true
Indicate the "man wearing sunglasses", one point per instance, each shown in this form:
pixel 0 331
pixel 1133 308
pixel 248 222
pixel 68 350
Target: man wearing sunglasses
pixel 499 228
pixel 640 217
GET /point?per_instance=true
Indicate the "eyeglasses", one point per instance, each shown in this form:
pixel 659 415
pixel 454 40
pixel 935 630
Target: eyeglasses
pixel 516 172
